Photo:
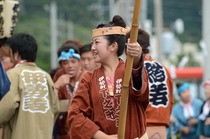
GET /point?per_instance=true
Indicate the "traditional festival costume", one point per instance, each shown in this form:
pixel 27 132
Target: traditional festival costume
pixel 29 109
pixel 160 97
pixel 203 129
pixel 183 112
pixel 65 94
pixel 93 108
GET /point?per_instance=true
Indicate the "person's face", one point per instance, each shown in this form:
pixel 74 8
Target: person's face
pixel 71 66
pixel 185 96
pixel 7 62
pixel 87 61
pixel 100 49
pixel 207 91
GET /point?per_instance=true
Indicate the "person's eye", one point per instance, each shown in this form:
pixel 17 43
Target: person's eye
pixel 65 62
pixel 89 59
pixel 97 42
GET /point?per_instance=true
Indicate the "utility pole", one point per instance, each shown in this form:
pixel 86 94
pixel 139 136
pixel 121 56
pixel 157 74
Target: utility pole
pixel 111 9
pixel 22 5
pixel 143 16
pixel 70 28
pixel 101 11
pixel 124 8
pixel 53 25
pixel 206 36
pixel 158 26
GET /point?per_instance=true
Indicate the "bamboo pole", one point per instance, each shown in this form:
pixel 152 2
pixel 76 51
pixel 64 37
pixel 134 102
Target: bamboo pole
pixel 128 70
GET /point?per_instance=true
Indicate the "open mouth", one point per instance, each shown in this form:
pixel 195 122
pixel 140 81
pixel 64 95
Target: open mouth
pixel 71 72
pixel 95 54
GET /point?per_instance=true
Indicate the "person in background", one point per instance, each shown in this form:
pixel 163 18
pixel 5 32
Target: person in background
pixel 7 63
pixel 172 130
pixel 204 118
pixel 66 80
pixel 186 112
pixel 6 57
pixel 160 90
pixel 29 109
pixel 70 70
pixel 87 60
pixel 94 111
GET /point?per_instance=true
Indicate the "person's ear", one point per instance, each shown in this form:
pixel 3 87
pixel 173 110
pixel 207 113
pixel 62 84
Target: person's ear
pixel 16 57
pixel 114 47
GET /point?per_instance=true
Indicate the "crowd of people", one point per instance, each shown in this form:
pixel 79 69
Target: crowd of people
pixel 81 98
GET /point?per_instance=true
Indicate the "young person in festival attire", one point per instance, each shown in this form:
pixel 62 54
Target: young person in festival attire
pixel 186 112
pixel 160 90
pixel 29 109
pixel 94 111
pixel 204 118
pixel 66 81
pixel 87 60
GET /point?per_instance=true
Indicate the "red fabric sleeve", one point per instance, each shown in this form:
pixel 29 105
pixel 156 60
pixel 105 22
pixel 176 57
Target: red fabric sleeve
pixel 79 114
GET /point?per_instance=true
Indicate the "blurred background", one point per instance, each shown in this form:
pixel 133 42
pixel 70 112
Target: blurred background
pixel 178 28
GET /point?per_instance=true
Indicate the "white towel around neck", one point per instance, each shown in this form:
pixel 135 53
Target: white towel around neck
pixel 188 110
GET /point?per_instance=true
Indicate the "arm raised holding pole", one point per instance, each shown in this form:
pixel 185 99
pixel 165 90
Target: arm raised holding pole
pixel 128 70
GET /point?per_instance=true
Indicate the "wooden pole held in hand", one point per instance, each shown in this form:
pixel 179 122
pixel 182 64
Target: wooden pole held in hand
pixel 128 71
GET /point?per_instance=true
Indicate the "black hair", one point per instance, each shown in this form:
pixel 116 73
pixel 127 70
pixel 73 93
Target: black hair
pixel 24 44
pixel 179 84
pixel 52 72
pixel 70 44
pixel 85 48
pixel 2 41
pixel 119 39
pixel 67 45
pixel 143 39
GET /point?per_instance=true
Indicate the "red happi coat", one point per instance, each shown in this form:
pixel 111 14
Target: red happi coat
pixel 161 93
pixel 61 128
pixel 92 107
